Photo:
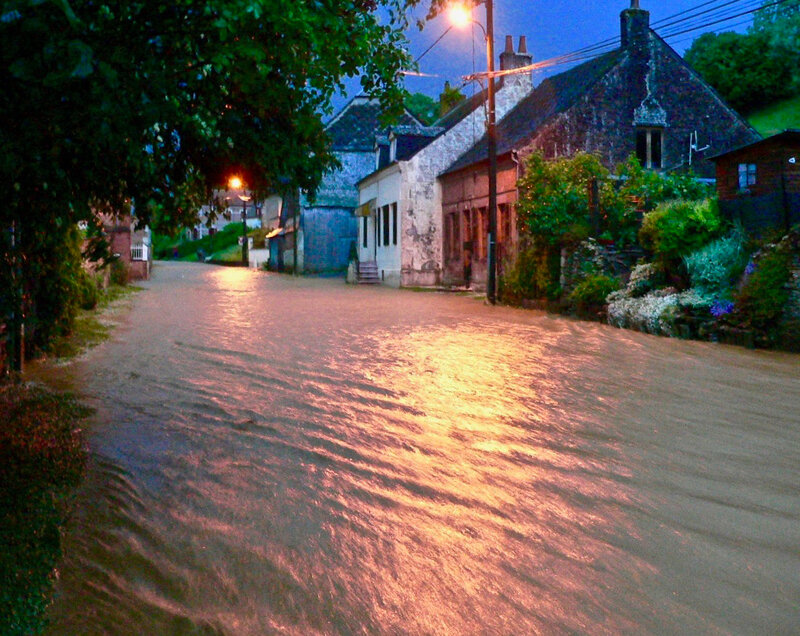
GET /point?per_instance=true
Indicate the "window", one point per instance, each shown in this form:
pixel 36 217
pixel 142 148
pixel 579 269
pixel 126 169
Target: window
pixel 504 212
pixel 467 231
pixel 364 228
pixel 385 224
pixel 649 147
pixel 394 224
pixel 378 227
pixel 747 175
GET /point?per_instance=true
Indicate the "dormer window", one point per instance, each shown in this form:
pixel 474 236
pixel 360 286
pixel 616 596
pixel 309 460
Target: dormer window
pixel 650 147
pixel 393 149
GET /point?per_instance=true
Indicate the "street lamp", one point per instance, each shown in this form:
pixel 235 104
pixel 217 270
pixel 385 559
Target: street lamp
pixel 235 183
pixel 461 16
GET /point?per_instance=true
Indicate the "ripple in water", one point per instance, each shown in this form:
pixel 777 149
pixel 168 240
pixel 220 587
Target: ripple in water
pixel 274 455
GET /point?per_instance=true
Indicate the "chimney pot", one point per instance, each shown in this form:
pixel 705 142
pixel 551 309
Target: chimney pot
pixel 523 44
pixel 634 4
pixel 509 44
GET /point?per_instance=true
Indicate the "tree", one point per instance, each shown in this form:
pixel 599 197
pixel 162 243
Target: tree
pixel 108 102
pixel 423 108
pixel 449 98
pixel 744 68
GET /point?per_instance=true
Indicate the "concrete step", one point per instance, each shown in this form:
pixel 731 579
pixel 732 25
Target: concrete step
pixel 368 273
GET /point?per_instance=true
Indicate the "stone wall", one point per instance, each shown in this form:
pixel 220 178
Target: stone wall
pixel 603 119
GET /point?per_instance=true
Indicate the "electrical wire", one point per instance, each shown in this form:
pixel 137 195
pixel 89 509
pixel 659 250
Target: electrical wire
pixel 714 16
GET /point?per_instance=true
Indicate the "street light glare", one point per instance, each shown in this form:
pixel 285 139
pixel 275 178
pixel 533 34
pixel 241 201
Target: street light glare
pixel 235 183
pixel 460 15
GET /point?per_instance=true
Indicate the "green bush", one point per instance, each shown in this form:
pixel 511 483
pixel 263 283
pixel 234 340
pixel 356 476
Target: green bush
pixel 88 290
pixel 677 228
pixel 715 267
pixel 119 272
pixel 593 290
pixel 518 277
pixel 763 296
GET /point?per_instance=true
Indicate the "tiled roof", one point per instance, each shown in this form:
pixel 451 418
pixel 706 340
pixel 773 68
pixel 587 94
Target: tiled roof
pixel 554 95
pixel 354 128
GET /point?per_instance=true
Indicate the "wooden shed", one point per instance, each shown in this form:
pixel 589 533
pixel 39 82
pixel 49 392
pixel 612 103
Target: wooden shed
pixel 759 184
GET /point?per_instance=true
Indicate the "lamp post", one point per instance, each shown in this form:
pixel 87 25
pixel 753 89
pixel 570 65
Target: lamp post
pixel 462 16
pixel 236 184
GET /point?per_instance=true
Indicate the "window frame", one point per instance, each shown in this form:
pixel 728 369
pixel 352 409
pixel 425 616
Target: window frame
pixel 648 160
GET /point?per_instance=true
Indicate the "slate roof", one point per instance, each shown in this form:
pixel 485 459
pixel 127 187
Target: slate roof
pixel 354 128
pixel 553 95
pixel 411 140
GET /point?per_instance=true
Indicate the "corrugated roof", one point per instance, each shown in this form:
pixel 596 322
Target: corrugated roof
pixel 553 95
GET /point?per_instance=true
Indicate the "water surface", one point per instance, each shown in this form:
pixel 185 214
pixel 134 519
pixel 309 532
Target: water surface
pixel 296 456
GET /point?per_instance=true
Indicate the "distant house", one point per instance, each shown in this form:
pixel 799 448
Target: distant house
pixel 759 184
pixel 130 245
pixel 641 98
pixel 400 224
pixel 320 233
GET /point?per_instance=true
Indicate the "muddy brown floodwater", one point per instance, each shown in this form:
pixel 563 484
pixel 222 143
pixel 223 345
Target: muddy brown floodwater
pixel 296 456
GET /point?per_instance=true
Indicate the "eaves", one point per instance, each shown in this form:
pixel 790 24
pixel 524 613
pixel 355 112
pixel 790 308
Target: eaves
pixel 379 174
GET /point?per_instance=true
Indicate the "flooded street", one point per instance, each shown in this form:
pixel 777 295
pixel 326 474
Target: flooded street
pixel 297 456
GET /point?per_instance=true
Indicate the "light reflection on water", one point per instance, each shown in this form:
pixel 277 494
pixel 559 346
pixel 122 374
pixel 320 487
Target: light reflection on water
pixel 275 455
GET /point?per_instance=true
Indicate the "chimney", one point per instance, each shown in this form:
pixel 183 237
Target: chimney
pixel 634 26
pixel 509 59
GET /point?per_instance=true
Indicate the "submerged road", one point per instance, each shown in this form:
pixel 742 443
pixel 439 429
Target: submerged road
pixel 296 456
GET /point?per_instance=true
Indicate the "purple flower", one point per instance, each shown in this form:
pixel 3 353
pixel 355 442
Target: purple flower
pixel 751 267
pixel 721 308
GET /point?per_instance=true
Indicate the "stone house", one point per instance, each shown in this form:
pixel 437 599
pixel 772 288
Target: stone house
pixel 320 233
pixel 640 98
pixel 400 224
pixel 759 184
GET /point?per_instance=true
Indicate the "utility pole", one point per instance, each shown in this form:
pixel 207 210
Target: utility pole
pixel 491 136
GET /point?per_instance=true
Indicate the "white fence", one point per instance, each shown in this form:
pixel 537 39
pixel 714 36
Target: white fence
pixel 139 252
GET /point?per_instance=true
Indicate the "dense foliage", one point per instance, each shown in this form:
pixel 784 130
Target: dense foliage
pixel 756 68
pixel 593 290
pixel 423 107
pixel 763 296
pixel 677 228
pixel 554 197
pixel 714 268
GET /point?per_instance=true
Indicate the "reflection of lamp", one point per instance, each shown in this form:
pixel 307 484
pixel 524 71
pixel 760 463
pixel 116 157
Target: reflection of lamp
pixel 461 16
pixel 236 183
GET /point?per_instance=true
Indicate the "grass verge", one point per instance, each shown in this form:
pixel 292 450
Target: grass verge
pixel 42 458
pixel 90 329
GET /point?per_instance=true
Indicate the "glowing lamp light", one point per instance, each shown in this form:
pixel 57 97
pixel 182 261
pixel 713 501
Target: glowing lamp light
pixel 235 183
pixel 460 16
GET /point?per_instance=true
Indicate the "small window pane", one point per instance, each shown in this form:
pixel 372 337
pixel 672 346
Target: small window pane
pixel 394 224
pixel 655 148
pixel 641 147
pixel 386 225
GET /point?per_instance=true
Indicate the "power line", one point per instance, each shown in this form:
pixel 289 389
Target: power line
pixel 689 24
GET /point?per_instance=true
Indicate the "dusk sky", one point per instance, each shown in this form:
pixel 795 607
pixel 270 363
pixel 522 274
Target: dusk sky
pixel 555 27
